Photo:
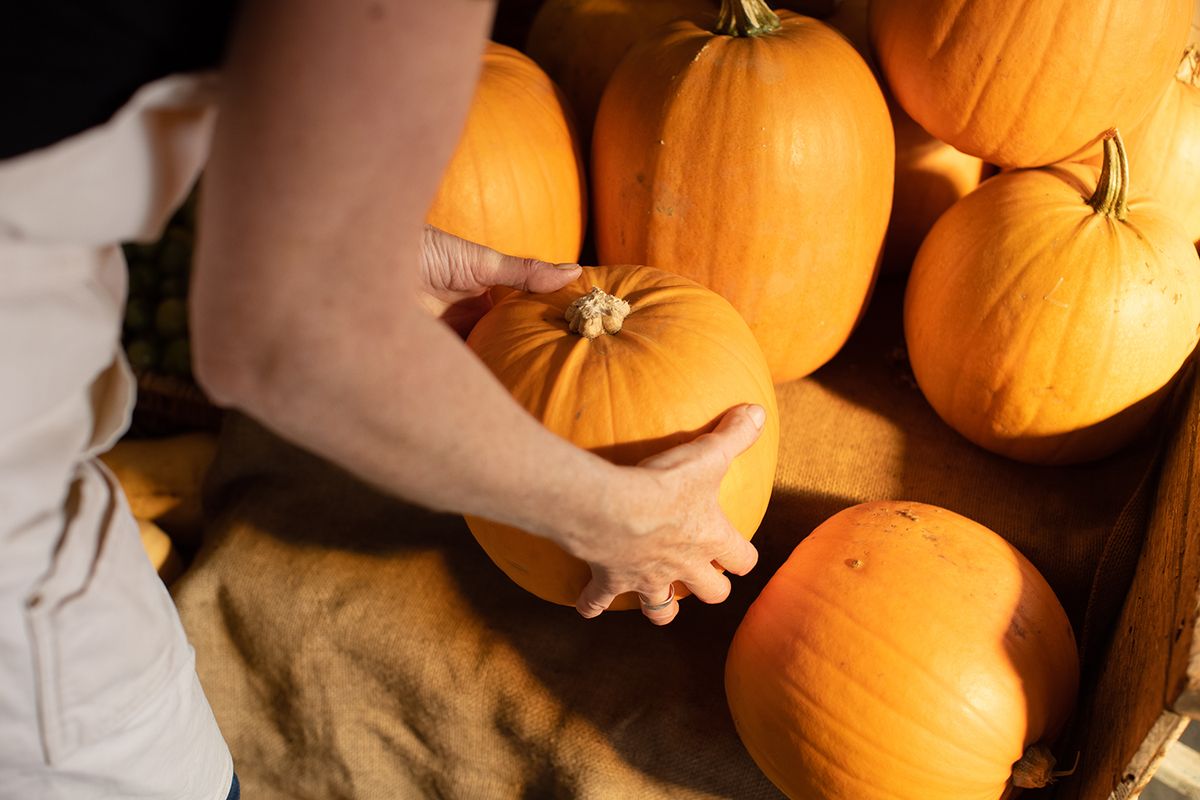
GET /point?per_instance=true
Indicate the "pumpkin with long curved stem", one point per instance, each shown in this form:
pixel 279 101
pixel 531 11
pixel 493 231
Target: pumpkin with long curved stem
pixel 1164 149
pixel 1048 314
pixel 515 183
pixel 580 42
pixel 660 370
pixel 903 652
pixel 1027 83
pixel 756 158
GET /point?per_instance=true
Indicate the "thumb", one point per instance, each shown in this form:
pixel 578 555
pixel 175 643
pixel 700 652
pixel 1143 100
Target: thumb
pixel 528 274
pixel 737 430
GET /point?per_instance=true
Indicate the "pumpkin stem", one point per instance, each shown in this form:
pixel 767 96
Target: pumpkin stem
pixel 746 18
pixel 1112 190
pixel 595 313
pixel 1036 768
pixel 1189 66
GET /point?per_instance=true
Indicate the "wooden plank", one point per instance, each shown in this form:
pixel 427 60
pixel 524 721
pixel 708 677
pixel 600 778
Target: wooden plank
pixel 1140 770
pixel 1180 771
pixel 1139 699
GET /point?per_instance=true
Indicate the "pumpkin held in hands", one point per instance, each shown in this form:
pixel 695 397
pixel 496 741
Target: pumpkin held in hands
pixel 903 652
pixel 515 182
pixel 658 377
pixel 1047 314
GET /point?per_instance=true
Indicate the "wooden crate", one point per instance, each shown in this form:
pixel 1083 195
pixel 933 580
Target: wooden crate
pixel 1147 685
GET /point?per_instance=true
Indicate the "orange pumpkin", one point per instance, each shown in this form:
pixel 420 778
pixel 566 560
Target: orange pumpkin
pixel 515 182
pixel 580 42
pixel 755 158
pixel 931 175
pixel 681 359
pixel 902 652
pixel 1047 315
pixel 1164 149
pixel 1023 84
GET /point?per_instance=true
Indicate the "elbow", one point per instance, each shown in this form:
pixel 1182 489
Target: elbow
pixel 230 369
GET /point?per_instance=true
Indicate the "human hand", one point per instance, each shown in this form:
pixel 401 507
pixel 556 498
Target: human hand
pixel 672 527
pixel 457 274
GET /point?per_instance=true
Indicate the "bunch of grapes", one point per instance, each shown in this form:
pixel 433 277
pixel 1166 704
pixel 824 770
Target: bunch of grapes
pixel 155 334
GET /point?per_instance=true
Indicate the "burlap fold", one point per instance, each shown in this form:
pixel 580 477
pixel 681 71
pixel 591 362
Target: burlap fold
pixel 356 647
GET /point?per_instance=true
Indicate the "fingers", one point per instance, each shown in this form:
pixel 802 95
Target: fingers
pixel 736 431
pixel 710 586
pixel 524 274
pixel 661 610
pixel 594 600
pixel 453 263
pixel 741 556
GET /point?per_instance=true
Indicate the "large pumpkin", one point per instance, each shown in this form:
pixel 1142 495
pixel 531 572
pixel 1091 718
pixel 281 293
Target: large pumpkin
pixel 1023 83
pixel 515 182
pixel 1047 315
pixel 756 159
pixel 902 652
pixel 931 175
pixel 1164 149
pixel 580 42
pixel 681 359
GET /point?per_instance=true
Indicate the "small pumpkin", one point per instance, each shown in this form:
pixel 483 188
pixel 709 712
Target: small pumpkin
pixel 754 156
pixel 1025 84
pixel 1164 149
pixel 163 478
pixel 931 175
pixel 515 182
pixel 903 652
pixel 1047 314
pixel 580 42
pixel 662 372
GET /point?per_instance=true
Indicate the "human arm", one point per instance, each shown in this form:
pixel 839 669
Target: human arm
pixel 336 123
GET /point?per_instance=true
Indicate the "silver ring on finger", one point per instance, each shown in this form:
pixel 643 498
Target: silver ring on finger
pixel 659 606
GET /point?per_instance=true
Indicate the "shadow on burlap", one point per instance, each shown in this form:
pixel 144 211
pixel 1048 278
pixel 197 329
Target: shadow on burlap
pixel 356 647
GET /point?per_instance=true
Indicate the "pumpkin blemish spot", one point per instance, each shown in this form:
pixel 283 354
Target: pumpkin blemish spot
pixel 854 563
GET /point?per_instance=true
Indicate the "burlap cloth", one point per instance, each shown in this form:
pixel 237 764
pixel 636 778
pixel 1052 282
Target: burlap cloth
pixel 356 647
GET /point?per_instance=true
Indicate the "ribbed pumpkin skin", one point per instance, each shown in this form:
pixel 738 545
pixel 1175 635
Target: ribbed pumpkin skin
pixel 1042 330
pixel 902 652
pixel 760 167
pixel 580 42
pixel 1164 151
pixel 515 182
pixel 1023 83
pixel 683 358
pixel 930 174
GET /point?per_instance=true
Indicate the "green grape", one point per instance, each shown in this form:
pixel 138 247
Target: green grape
pixel 177 358
pixel 170 318
pixel 142 354
pixel 139 315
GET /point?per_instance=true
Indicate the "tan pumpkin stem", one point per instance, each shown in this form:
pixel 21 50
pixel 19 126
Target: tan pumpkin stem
pixel 595 313
pixel 1036 768
pixel 1112 190
pixel 1189 66
pixel 746 18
